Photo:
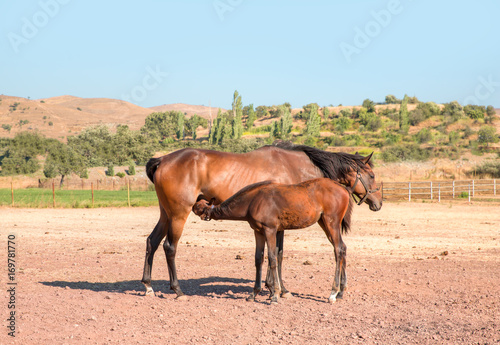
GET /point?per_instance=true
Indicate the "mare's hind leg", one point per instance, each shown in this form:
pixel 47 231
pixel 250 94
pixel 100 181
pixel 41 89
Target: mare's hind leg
pixel 152 243
pixel 260 242
pixel 175 227
pixel 332 231
pixel 280 236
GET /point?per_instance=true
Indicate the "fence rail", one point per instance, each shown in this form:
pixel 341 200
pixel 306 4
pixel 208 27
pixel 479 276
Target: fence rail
pixel 438 190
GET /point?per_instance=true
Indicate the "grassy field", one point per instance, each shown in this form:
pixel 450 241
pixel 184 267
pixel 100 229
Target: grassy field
pixel 40 198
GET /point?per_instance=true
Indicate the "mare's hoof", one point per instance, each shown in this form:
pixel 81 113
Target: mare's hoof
pixel 274 300
pixel 149 292
pixel 181 298
pixel 286 295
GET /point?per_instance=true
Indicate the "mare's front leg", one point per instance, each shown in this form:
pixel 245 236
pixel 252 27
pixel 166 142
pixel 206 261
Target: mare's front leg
pixel 152 243
pixel 260 242
pixel 175 227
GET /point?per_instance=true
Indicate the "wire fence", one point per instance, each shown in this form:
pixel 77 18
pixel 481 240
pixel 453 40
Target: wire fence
pixel 441 190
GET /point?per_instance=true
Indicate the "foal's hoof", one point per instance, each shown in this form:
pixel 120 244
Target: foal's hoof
pixel 181 298
pixel 149 292
pixel 274 300
pixel 286 295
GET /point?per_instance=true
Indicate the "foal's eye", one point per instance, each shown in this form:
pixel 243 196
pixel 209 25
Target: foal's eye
pixel 372 176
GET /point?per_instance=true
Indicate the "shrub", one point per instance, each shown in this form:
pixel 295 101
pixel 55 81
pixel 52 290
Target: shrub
pixel 405 152
pixel 131 170
pixel 51 123
pixel 110 171
pixel 120 174
pixel 488 168
pixel 463 195
pixel 423 136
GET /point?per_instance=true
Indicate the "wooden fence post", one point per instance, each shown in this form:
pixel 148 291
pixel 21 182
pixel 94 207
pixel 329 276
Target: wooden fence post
pixel 494 187
pixel 382 188
pixel 12 192
pixel 439 192
pixel 453 189
pixel 469 191
pixel 431 190
pixel 92 188
pixel 409 191
pixel 473 189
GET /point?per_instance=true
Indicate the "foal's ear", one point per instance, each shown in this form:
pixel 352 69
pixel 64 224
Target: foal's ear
pixel 211 202
pixel 367 158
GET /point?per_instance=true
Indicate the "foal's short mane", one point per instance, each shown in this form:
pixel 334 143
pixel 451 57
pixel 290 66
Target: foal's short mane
pixel 226 205
pixel 334 165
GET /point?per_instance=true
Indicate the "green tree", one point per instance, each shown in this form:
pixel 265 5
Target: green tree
pixel 161 125
pixel 237 124
pixel 111 170
pixel 487 135
pixel 62 160
pixel 21 153
pixel 391 99
pixel 7 127
pixel 194 122
pixel 453 111
pixel 369 105
pixel 490 113
pixel 313 121
pixel 131 169
pixel 286 122
pixel 252 116
pixel 326 113
pixel 404 125
pixel 179 128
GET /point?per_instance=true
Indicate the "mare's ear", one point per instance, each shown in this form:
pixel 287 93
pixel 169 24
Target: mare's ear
pixel 211 202
pixel 367 158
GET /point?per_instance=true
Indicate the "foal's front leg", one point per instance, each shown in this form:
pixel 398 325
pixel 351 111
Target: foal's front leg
pixel 260 241
pixel 273 265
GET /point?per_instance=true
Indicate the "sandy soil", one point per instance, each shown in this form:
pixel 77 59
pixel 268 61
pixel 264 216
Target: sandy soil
pixel 417 274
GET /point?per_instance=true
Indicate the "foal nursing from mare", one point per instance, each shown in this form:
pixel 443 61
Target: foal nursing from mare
pixel 271 207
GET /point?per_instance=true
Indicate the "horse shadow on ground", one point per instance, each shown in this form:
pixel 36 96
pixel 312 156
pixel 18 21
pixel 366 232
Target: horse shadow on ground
pixel 222 287
pixel 219 287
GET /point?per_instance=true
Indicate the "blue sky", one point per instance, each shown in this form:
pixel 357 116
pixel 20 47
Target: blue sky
pixel 329 52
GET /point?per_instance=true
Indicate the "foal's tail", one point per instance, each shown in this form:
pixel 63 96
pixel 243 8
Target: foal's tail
pixel 346 221
pixel 151 167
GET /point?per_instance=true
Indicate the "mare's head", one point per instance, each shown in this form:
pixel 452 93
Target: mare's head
pixel 203 208
pixel 362 182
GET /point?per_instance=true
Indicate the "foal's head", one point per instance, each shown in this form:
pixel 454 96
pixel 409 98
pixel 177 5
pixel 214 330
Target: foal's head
pixel 203 208
pixel 364 185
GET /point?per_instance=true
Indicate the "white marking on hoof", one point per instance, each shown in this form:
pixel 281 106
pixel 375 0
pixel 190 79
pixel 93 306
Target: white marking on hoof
pixel 333 298
pixel 149 291
pixel 181 298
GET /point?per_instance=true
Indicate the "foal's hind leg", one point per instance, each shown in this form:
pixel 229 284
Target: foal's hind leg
pixel 332 231
pixel 280 236
pixel 152 243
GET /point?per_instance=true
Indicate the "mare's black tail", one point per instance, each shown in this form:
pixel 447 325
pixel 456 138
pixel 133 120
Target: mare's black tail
pixel 151 167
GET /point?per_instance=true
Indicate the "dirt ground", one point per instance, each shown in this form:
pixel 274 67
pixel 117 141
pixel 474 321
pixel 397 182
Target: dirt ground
pixel 418 273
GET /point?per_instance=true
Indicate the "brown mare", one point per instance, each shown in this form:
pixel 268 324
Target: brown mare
pixel 183 177
pixel 270 208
